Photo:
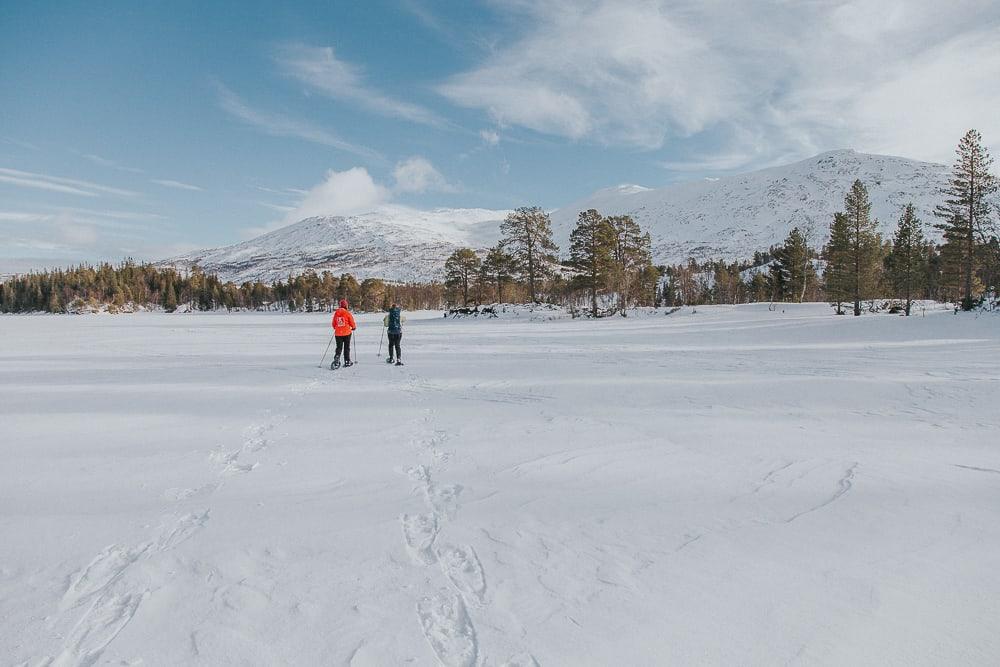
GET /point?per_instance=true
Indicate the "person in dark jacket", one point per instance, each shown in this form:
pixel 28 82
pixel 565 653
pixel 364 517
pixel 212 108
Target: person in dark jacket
pixel 393 322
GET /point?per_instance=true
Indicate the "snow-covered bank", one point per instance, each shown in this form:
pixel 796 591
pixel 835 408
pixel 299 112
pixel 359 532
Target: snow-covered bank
pixel 729 486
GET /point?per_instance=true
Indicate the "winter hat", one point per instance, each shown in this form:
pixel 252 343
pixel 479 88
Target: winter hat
pixel 343 303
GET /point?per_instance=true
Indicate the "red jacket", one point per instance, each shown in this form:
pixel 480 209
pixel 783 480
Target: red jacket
pixel 343 322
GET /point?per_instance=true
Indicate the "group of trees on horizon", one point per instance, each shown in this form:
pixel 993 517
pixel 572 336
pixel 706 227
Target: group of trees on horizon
pixel 609 263
pixel 609 256
pixel 858 265
pixel 127 285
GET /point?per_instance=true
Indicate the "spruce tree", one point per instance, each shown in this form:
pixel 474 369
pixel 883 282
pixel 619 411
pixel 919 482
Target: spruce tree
pixel 590 253
pixel 169 297
pixel 906 263
pixel 966 213
pixel 527 233
pixel 792 268
pixel 837 276
pixel 460 268
pixel 864 244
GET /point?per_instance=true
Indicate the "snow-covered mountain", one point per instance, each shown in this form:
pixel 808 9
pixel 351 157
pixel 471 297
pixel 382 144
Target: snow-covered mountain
pixel 392 242
pixel 729 217
pixel 733 216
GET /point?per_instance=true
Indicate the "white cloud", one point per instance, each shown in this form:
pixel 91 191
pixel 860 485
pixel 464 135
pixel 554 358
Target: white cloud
pixel 178 185
pixel 490 137
pixel 417 174
pixel 341 193
pixel 353 191
pixel 901 76
pixel 281 126
pixel 72 186
pixel 319 68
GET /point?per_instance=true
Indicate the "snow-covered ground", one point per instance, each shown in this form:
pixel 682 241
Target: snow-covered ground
pixel 729 486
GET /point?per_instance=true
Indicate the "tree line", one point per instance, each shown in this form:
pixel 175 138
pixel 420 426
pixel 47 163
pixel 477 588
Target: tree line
pixel 857 265
pixel 129 285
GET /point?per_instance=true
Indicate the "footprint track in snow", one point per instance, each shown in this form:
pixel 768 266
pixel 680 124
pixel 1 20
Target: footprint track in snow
pixel 462 567
pixel 107 616
pixel 448 629
pixel 419 533
pixel 113 603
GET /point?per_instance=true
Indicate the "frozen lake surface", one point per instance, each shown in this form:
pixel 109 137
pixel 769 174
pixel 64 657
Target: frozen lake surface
pixel 728 486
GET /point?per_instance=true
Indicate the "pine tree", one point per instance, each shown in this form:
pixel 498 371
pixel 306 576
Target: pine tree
pixel 906 263
pixel 499 267
pixel 792 269
pixel 590 253
pixel 527 233
pixel 864 244
pixel 837 276
pixel 460 268
pixel 966 213
pixel 631 253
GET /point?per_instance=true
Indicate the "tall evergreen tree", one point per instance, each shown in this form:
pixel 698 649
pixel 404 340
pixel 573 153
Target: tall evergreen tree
pixel 966 213
pixel 527 233
pixel 499 267
pixel 837 276
pixel 460 269
pixel 792 268
pixel 865 244
pixel 906 263
pixel 631 253
pixel 590 253
pixel 169 297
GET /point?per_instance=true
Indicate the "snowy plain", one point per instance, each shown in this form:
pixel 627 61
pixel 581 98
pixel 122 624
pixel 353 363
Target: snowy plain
pixel 725 485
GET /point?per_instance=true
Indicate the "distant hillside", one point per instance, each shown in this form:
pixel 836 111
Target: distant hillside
pixel 730 217
pixel 733 216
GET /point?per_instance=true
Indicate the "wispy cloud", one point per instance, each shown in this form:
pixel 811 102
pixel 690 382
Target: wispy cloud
pixel 49 236
pixel 106 162
pixel 106 219
pixel 72 186
pixel 319 68
pixel 282 126
pixel 21 144
pixel 177 185
pixel 898 76
pixel 276 207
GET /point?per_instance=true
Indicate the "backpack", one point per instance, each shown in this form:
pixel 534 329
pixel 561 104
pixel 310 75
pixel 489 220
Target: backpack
pixel 395 326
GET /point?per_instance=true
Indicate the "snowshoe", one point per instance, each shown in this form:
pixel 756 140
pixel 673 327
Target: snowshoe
pixel 348 363
pixel 390 360
pixel 334 365
pixel 399 363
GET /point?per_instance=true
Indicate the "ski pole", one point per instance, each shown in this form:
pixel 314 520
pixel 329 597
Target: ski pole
pixel 327 350
pixel 380 342
pixel 354 342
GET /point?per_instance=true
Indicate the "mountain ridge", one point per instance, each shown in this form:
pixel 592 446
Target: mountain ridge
pixel 729 217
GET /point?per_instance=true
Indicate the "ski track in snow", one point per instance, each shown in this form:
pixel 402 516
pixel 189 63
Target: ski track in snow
pixel 110 588
pixel 844 485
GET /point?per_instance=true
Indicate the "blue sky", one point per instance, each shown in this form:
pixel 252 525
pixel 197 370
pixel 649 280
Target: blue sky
pixel 146 129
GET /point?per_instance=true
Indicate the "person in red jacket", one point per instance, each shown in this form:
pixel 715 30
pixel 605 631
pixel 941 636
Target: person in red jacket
pixel 343 325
